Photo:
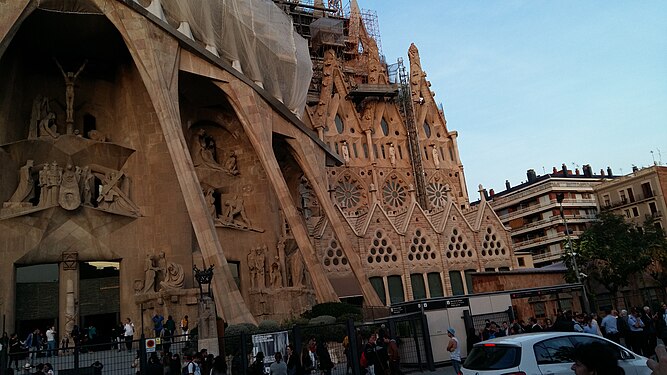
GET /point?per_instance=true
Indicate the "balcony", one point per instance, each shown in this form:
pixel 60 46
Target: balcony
pixel 551 221
pixel 544 240
pixel 638 198
pixel 567 203
pixel 552 185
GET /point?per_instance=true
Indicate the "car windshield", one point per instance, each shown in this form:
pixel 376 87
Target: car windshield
pixel 495 357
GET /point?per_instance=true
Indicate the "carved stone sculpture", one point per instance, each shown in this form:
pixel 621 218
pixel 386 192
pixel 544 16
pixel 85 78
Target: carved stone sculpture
pixel 210 203
pixel 392 155
pixel 252 269
pixel 97 135
pixel 69 196
pixel 113 198
pixel 306 196
pixel 173 277
pixel 235 213
pixel 87 184
pixel 231 164
pixel 436 157
pixel 40 110
pixel 24 191
pixel 296 268
pixel 276 273
pixel 150 274
pixel 260 261
pixel 70 79
pixel 205 152
pixel 346 152
pixel 47 126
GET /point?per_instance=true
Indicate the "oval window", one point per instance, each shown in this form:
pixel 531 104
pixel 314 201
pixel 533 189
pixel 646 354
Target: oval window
pixel 385 127
pixel 427 130
pixel 339 124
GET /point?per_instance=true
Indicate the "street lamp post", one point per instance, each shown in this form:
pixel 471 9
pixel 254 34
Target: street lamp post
pixel 559 198
pixel 204 278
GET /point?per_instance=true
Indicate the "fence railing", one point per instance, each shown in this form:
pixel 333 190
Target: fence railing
pixel 133 357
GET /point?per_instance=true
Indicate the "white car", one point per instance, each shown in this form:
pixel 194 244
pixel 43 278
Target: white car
pixel 540 354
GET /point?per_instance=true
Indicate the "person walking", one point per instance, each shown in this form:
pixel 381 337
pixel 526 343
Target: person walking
pixel 454 348
pixel 636 336
pixel 128 333
pixel 14 350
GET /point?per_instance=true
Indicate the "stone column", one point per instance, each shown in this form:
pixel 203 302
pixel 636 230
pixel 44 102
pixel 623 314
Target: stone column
pixel 68 296
pixel 208 329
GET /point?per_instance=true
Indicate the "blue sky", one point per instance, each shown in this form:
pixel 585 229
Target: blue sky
pixel 537 83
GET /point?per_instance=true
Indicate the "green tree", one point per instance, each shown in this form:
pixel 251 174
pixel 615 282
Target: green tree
pixel 656 242
pixel 610 252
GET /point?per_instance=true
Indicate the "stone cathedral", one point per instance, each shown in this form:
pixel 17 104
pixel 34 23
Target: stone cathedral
pixel 140 139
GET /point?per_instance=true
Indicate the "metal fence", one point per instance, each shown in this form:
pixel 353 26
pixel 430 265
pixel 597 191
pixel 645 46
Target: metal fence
pixel 131 358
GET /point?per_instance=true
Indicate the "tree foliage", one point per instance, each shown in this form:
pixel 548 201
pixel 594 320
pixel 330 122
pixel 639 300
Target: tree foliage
pixel 611 251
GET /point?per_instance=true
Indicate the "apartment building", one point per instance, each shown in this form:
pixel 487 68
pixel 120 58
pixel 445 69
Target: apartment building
pixel 637 196
pixel 533 212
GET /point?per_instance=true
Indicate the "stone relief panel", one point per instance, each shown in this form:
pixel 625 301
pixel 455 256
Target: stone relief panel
pixel 68 171
pixel 159 275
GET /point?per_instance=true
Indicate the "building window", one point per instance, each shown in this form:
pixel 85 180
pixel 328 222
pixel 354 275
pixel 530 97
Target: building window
pixel 621 194
pixel 340 127
pixel 385 127
pixel 607 200
pixel 378 285
pixel 427 129
pixel 418 287
pixel 457 283
pixel 627 213
pixel 652 208
pixel 396 294
pixel 451 153
pixel 365 147
pixel 375 150
pixel 646 190
pixel 435 285
pixel 635 211
pixel 522 262
pixel 354 148
pixel 384 156
pixel 631 195
pixel 503 269
pixel 400 152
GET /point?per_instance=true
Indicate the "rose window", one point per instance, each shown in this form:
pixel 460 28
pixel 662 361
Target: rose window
pixel 394 194
pixel 437 194
pixel 347 194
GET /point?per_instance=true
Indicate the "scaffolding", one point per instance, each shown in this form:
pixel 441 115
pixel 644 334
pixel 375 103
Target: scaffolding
pixel 407 110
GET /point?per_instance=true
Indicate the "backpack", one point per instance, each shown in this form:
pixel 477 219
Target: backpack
pixel 363 361
pixel 186 369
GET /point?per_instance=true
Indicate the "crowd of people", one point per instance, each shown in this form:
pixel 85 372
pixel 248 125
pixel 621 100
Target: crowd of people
pixel 638 330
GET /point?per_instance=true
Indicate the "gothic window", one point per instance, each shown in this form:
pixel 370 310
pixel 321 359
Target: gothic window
pixel 456 282
pixel 437 194
pixel 234 267
pixel 458 246
pixel 365 147
pixel 378 285
pixel 395 286
pixel 418 286
pixel 348 193
pixel 492 246
pixel 394 194
pixel 427 129
pixel 435 285
pixel 354 148
pixel 334 258
pixel 400 152
pixel 421 248
pixel 381 249
pixel 451 153
pixel 339 124
pixel 385 127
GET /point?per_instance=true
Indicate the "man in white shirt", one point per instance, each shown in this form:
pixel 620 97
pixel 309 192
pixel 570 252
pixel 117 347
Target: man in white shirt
pixel 51 341
pixel 128 333
pixel 454 349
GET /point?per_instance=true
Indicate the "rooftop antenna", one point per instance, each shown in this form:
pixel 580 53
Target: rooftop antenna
pixel 653 157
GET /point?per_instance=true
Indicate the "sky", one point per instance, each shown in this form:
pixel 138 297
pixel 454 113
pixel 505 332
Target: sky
pixel 533 84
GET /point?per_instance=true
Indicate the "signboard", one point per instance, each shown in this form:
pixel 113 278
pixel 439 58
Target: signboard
pixel 459 302
pixel 150 345
pixel 543 292
pixel 269 344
